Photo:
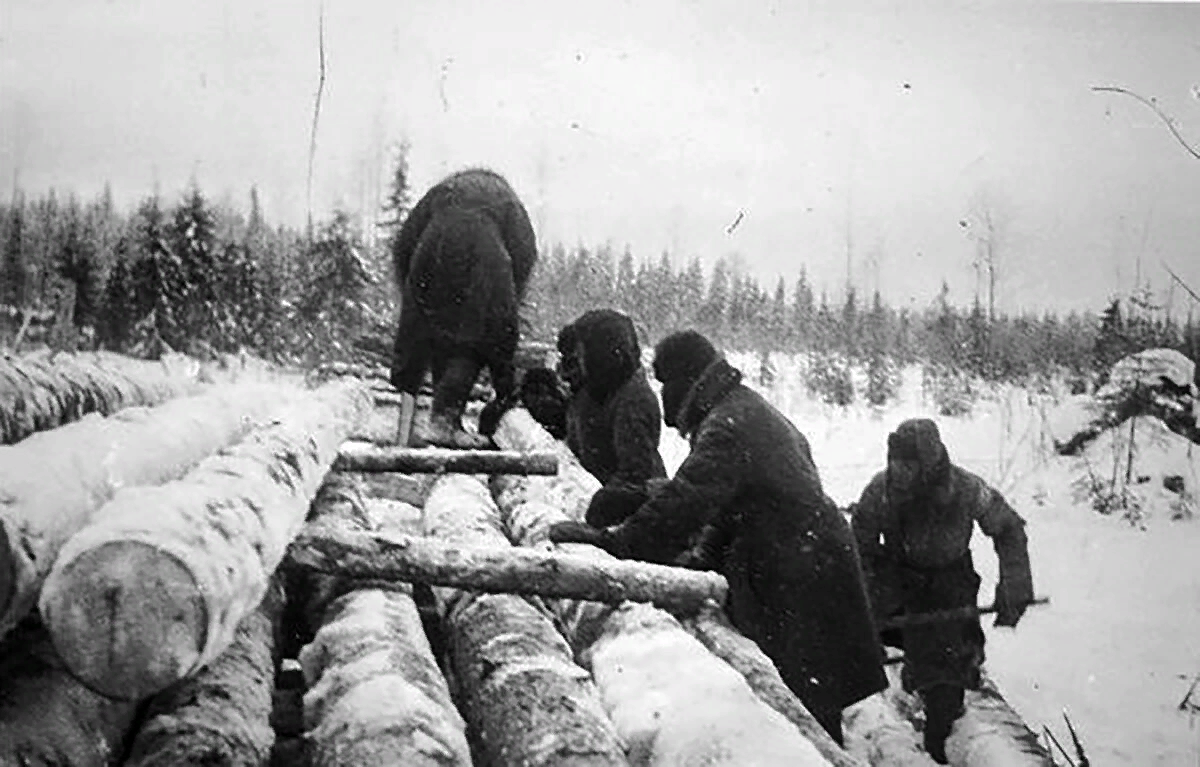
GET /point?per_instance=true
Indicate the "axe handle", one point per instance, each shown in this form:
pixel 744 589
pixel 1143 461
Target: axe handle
pixel 940 616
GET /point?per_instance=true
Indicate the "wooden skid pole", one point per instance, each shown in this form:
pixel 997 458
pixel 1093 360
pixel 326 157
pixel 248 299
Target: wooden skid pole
pixel 367 457
pixel 155 587
pixel 525 699
pixel 503 570
pixel 672 700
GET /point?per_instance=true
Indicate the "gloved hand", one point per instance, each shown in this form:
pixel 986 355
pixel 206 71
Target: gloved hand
pixel 576 532
pixel 493 411
pixel 1012 599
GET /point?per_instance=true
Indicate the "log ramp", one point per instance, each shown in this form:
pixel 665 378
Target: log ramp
pixel 54 482
pixel 375 693
pixel 155 587
pixel 525 700
pixel 37 394
pixel 672 700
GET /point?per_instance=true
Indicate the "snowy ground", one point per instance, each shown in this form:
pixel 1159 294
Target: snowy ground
pixel 1119 644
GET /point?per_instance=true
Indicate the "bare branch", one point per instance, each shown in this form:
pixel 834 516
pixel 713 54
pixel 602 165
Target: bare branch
pixel 1182 284
pixel 1167 120
pixel 312 145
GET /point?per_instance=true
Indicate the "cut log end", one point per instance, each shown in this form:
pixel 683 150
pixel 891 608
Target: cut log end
pixel 133 621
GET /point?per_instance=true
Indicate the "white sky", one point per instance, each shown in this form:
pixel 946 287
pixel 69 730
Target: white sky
pixel 653 123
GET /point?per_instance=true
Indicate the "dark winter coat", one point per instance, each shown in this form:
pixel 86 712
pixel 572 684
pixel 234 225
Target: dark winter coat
pixel 796 585
pixel 463 257
pixel 917 558
pixel 614 421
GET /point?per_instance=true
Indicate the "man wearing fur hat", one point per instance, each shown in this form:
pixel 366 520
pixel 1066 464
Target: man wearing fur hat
pixel 750 491
pixel 913 526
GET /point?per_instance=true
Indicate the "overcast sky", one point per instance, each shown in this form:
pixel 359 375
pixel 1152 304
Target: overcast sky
pixel 653 123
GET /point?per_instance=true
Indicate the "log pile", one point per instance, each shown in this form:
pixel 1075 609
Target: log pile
pixel 222 714
pixel 155 587
pixel 525 700
pixel 375 692
pixel 672 701
pixel 47 717
pixel 53 482
pixel 38 394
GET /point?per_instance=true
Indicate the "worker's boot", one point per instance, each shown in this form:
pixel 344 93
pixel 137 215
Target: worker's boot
pixel 450 393
pixel 943 705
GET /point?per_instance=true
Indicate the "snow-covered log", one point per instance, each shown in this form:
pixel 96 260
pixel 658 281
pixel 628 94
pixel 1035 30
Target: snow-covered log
pixel 503 569
pixel 47 717
pixel 375 693
pixel 989 732
pixel 38 394
pixel 154 588
pixel 672 700
pixel 53 482
pixel 526 700
pixel 368 457
pixel 718 635
pixel 876 732
pixel 222 714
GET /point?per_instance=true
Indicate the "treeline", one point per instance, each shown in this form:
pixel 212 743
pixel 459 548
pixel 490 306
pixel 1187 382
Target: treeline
pixel 189 273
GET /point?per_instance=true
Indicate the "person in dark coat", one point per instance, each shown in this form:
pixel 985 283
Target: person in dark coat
pixel 546 397
pixel 613 421
pixel 748 496
pixel 463 258
pixel 913 527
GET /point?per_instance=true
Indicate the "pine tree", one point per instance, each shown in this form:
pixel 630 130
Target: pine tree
pixel 14 275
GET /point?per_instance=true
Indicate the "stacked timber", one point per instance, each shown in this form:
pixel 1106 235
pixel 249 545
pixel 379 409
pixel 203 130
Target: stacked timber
pixel 222 714
pixel 47 717
pixel 53 482
pixel 672 700
pixel 988 733
pixel 375 692
pixel 39 394
pixel 524 698
pixel 155 587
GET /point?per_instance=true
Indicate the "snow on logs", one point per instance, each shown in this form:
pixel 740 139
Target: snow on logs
pixel 673 701
pixel 47 717
pixel 504 570
pixel 156 586
pixel 356 455
pixel 53 482
pixel 36 394
pixel 221 715
pixel 375 693
pixel 526 700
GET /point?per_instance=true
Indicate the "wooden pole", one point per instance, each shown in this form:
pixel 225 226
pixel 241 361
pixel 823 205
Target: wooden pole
pixel 368 457
pixel 504 569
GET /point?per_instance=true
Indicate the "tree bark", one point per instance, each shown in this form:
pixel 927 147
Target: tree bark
pixel 375 692
pixel 37 394
pixel 366 457
pixel 221 716
pixel 155 587
pixel 526 701
pixel 54 482
pixel 672 700
pixel 47 717
pixel 504 569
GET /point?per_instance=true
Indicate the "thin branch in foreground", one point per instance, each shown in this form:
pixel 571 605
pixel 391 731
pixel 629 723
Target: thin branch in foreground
pixel 312 145
pixel 1170 123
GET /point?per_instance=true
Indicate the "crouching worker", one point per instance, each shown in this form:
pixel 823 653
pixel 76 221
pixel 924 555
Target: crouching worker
pixel 613 421
pixel 913 526
pixel 795 583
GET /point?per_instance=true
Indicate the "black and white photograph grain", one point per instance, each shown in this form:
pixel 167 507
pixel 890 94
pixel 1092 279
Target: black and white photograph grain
pixel 599 383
